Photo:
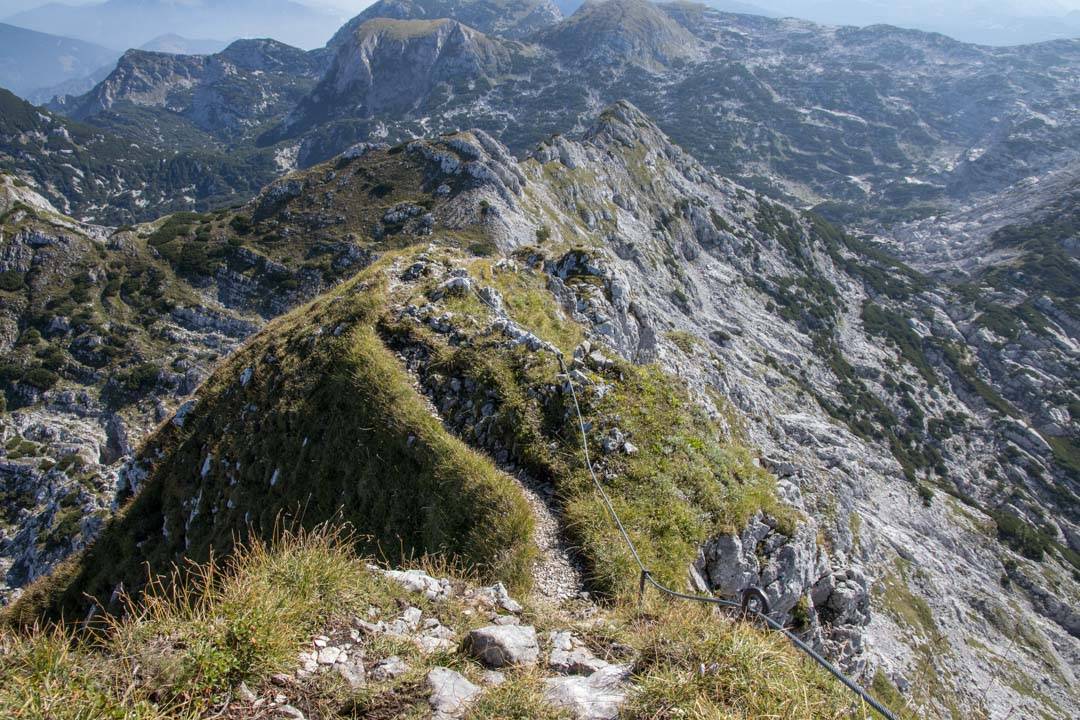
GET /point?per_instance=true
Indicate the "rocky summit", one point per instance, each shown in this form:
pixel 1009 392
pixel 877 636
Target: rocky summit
pixel 331 388
pixel 514 19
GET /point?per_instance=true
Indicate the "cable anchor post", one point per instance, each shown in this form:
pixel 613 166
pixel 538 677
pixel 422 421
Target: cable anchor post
pixel 641 588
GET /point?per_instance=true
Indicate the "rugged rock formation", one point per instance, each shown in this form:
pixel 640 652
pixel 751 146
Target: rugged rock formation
pixel 393 67
pixel 513 19
pixel 225 94
pixel 619 33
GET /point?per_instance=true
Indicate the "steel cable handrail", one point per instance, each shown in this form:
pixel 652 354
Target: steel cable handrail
pixel 647 577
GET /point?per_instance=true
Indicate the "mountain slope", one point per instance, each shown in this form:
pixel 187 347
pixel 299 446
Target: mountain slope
pixel 30 60
pixel 620 31
pixel 226 95
pixel 103 332
pixel 912 524
pixel 396 67
pixel 100 176
pixel 514 19
pixel 294 600
pixel 874 126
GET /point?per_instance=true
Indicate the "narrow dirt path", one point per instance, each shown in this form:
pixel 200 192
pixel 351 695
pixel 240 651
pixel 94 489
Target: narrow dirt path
pixel 557 576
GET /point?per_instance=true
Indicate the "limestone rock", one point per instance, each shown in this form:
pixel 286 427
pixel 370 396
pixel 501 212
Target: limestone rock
pixel 388 669
pixel 504 645
pixel 451 693
pixel 596 697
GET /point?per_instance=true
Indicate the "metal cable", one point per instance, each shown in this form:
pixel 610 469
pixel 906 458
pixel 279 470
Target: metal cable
pixel 647 578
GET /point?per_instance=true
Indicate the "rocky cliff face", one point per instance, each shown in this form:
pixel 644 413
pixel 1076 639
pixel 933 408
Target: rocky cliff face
pixel 225 94
pixel 395 67
pixel 513 19
pixel 913 523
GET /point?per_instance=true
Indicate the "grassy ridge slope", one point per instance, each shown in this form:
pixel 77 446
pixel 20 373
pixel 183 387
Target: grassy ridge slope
pixel 327 425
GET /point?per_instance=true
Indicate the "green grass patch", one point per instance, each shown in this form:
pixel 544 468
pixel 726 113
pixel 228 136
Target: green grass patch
pixel 905 607
pixel 530 304
pixel 696 663
pixel 686 482
pixel 181 649
pixel 684 341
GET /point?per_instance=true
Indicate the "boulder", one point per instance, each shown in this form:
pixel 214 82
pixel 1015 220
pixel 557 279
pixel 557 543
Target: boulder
pixel 451 693
pixel 570 657
pixel 503 645
pixel 389 669
pixel 596 697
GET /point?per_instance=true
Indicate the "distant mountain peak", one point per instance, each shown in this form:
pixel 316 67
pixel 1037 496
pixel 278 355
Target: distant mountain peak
pixel 30 60
pixel 505 18
pixel 391 65
pixel 179 45
pixel 635 31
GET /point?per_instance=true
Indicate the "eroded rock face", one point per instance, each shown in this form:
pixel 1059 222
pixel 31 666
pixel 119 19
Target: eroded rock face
pixel 392 66
pixel 808 367
pixel 799 583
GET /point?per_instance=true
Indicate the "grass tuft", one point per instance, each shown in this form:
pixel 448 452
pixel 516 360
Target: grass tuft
pixel 192 637
pixel 698 663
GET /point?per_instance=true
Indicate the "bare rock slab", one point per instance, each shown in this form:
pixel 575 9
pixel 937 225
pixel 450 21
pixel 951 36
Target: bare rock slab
pixel 451 693
pixel 596 697
pixel 504 645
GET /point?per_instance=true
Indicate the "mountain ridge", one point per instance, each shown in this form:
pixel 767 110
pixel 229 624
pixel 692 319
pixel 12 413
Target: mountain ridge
pixel 397 237
pixel 511 19
pixel 618 237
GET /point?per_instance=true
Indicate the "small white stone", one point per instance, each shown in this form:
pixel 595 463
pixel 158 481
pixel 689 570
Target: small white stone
pixel 329 655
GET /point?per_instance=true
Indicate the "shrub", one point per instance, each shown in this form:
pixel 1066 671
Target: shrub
pixel 141 378
pixel 175 226
pixel 11 280
pixel 381 190
pixel 1021 537
pixel 241 224
pixel 926 494
pixel 40 378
